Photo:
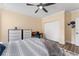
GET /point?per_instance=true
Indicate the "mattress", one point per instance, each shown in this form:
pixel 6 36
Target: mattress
pixel 26 47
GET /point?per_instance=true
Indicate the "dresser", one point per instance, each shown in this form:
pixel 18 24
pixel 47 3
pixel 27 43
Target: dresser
pixel 18 34
pixel 27 33
pixel 14 34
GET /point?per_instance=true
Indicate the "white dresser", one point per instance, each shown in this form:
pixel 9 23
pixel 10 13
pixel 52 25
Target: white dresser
pixel 18 34
pixel 27 33
pixel 14 34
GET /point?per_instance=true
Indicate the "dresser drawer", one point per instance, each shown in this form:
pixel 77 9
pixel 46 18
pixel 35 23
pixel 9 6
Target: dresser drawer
pixel 14 31
pixel 19 34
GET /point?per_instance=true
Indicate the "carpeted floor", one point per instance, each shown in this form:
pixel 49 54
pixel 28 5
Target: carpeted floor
pixel 70 53
pixel 55 49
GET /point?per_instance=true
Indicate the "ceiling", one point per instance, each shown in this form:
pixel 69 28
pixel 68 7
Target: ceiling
pixel 30 10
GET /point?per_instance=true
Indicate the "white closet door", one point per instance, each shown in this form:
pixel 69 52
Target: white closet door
pixel 52 30
pixel 77 32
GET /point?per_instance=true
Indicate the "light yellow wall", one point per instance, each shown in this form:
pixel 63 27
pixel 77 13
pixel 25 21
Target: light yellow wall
pixel 58 16
pixel 75 14
pixel 68 29
pixel 0 24
pixel 11 19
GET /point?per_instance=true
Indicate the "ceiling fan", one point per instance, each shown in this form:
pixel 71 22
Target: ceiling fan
pixel 41 6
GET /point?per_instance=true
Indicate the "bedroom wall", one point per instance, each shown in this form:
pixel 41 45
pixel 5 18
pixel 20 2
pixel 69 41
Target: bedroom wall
pixel 0 24
pixel 74 14
pixel 65 17
pixel 69 32
pixel 11 19
pixel 68 29
pixel 58 16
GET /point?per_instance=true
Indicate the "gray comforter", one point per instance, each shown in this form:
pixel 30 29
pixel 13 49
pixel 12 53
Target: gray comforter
pixel 26 47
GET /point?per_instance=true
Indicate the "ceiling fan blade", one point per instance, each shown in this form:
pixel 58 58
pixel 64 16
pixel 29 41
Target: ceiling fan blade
pixel 45 10
pixel 36 10
pixel 29 4
pixel 48 4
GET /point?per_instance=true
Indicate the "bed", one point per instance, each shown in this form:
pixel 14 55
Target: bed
pixel 25 47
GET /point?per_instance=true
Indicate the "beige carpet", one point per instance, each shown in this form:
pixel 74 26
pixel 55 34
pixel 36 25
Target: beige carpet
pixel 70 53
pixel 55 50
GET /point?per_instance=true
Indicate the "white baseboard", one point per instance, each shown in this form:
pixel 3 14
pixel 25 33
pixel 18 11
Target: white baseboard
pixel 72 43
pixel 68 41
